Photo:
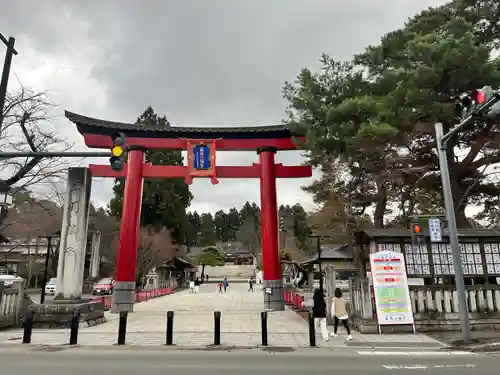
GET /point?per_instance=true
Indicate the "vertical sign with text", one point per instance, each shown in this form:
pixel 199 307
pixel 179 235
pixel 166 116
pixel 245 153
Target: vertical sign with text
pixel 435 229
pixel 201 157
pixel 390 286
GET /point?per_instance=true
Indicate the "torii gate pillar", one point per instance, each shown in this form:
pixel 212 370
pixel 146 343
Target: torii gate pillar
pixel 273 280
pixel 124 290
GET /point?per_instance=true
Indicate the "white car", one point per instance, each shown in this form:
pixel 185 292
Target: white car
pixel 50 287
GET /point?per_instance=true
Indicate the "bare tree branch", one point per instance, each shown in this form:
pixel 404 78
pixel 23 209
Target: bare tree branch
pixel 27 127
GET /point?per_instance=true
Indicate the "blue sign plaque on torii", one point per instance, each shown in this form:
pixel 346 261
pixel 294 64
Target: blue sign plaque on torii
pixel 201 157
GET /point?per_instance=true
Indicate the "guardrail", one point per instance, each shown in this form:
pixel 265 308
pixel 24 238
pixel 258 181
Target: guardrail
pixel 139 296
pixel 294 299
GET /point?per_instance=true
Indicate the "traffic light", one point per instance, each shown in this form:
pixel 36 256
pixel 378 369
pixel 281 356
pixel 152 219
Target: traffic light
pixel 417 234
pixel 473 103
pixel 118 152
pixel 485 95
pixel 282 224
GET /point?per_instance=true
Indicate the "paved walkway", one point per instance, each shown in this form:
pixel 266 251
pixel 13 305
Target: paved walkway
pixel 194 324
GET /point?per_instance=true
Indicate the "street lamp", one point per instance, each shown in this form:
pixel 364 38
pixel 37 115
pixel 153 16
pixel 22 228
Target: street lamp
pixel 6 199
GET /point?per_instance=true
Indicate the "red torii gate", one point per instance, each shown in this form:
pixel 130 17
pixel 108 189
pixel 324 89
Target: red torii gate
pixel 201 144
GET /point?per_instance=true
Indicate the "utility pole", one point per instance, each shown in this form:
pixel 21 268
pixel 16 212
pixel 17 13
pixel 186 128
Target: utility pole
pixel 6 72
pixel 483 104
pixel 47 263
pixel 442 140
pixel 318 251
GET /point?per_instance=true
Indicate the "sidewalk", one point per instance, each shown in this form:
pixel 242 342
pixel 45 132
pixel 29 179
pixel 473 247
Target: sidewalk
pixel 194 324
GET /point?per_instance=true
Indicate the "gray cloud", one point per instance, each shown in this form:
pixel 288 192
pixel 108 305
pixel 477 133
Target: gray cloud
pixel 202 63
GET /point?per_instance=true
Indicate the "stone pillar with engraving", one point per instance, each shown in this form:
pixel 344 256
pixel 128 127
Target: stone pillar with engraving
pixel 330 278
pixel 95 256
pixel 74 234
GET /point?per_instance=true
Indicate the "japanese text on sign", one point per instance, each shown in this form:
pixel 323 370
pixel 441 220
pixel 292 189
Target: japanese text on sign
pixel 201 157
pixel 390 285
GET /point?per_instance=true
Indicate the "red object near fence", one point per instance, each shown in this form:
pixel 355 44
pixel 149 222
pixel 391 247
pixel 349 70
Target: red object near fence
pixel 139 296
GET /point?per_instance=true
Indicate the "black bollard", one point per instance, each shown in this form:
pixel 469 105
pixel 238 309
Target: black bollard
pixel 122 327
pixel 312 331
pixel 75 323
pixel 28 327
pixel 216 327
pixel 263 324
pixel 170 328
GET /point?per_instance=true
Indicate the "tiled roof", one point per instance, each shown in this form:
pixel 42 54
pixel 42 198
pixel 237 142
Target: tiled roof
pixel 97 126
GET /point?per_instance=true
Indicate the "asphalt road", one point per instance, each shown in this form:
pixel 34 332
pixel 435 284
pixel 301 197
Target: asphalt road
pixel 149 361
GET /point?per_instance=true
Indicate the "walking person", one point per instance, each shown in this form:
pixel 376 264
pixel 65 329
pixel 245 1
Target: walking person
pixel 220 285
pixel 197 285
pixel 225 283
pixel 339 314
pixel 191 286
pixel 318 306
pixel 250 284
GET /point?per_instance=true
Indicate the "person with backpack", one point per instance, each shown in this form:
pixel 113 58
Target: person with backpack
pixel 339 314
pixel 318 306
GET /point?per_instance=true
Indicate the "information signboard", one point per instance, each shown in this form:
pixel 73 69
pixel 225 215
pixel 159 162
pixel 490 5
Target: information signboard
pixel 201 157
pixel 390 287
pixel 435 229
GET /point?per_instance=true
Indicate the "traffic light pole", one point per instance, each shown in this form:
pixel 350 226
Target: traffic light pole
pixel 442 140
pixel 68 154
pixel 441 143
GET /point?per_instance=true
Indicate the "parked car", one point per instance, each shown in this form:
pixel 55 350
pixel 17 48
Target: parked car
pixel 50 287
pixel 103 286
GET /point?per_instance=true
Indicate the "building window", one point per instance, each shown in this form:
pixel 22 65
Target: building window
pixel 417 260
pixel 492 255
pixel 470 254
pixel 389 247
pixel 442 259
pixel 472 263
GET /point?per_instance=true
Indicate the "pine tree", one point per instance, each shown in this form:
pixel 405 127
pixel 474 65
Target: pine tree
pixel 164 201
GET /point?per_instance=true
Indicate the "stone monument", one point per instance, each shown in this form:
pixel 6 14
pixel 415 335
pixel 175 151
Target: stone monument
pixel 58 312
pixel 95 256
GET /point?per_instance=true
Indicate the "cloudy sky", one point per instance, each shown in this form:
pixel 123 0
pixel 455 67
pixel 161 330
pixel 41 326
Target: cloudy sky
pixel 202 62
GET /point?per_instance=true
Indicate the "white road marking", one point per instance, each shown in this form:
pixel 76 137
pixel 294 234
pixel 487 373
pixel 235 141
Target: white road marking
pixel 405 367
pixel 424 367
pixel 421 353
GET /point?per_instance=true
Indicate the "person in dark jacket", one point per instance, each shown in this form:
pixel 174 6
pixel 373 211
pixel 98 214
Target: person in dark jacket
pixel 250 284
pixel 318 306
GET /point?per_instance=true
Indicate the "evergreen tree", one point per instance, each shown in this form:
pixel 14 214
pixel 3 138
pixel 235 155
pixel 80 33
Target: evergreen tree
pixel 233 223
pixel 208 236
pixel 221 227
pixel 372 119
pixel 164 201
pixel 193 229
